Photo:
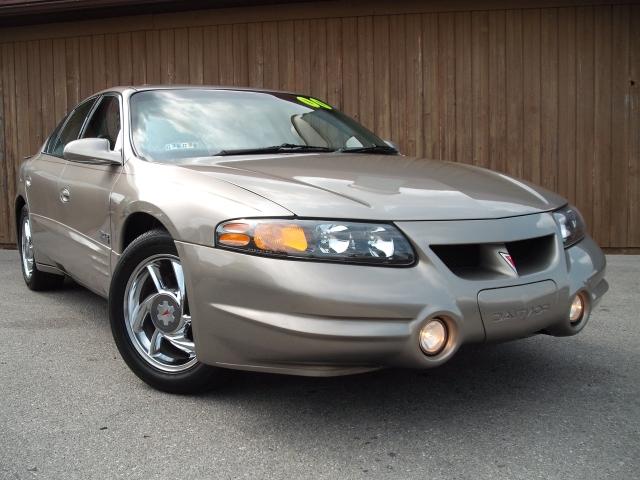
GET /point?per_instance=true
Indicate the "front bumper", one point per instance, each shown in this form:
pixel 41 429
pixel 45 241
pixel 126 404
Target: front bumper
pixel 322 319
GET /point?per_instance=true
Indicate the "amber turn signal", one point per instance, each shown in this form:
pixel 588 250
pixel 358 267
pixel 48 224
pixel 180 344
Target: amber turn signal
pixel 234 239
pixel 277 237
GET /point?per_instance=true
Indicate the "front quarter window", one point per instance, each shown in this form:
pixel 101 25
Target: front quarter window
pixel 168 125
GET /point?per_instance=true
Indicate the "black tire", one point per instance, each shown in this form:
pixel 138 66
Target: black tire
pixel 199 377
pixel 38 281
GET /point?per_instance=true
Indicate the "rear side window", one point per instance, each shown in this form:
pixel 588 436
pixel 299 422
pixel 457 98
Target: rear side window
pixel 71 129
pixel 105 121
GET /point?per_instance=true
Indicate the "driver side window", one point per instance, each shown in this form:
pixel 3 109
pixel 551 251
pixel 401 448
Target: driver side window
pixel 71 128
pixel 105 121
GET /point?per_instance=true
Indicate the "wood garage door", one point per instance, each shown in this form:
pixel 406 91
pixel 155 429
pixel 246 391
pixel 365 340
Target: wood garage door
pixel 547 94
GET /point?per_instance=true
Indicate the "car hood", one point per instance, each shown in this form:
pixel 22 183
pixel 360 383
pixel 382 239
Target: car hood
pixel 378 187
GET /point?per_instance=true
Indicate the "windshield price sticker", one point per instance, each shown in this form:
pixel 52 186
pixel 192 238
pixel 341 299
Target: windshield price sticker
pixel 180 146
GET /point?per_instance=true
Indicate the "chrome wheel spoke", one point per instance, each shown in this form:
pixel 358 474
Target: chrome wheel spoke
pixel 155 342
pixel 177 271
pixel 182 343
pixel 27 229
pixel 139 314
pixel 156 277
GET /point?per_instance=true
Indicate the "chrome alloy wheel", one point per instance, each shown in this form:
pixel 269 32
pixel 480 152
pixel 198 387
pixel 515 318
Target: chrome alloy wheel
pixel 156 313
pixel 26 246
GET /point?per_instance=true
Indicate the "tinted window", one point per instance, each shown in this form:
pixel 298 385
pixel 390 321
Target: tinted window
pixel 173 124
pixel 51 141
pixel 71 130
pixel 105 121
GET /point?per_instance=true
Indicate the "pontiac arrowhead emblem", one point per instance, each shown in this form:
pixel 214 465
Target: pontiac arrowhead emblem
pixel 507 258
pixel 165 313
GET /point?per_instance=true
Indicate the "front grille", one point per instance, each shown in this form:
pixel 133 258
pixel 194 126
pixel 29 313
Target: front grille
pixel 479 261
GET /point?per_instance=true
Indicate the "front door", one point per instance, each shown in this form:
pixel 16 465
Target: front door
pixel 86 210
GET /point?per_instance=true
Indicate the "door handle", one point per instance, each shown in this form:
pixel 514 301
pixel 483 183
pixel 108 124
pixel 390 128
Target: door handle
pixel 65 195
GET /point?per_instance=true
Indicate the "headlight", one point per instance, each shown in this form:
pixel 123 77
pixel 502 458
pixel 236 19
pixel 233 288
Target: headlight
pixel 571 224
pixel 328 240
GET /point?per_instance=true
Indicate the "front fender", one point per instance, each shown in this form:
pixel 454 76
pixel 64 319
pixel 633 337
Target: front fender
pixel 190 205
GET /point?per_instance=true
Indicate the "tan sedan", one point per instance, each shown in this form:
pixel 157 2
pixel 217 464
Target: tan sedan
pixel 259 230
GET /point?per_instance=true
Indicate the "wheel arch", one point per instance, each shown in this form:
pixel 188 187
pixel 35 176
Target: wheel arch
pixel 19 205
pixel 138 223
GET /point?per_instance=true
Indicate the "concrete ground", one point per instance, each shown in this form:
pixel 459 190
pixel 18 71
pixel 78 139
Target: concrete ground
pixel 541 408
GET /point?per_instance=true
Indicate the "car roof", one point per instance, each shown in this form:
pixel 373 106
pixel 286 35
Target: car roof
pixel 141 88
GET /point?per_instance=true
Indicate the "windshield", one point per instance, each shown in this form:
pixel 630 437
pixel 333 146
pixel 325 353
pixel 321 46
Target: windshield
pixel 175 124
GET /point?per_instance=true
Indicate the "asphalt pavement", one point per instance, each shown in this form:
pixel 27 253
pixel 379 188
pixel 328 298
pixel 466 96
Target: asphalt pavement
pixel 540 408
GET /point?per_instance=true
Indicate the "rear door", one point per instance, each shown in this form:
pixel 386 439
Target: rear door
pixel 43 190
pixel 86 211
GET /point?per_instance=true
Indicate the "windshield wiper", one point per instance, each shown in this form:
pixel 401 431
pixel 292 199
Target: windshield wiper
pixel 385 149
pixel 283 148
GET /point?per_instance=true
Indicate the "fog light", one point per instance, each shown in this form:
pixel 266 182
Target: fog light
pixel 576 312
pixel 433 337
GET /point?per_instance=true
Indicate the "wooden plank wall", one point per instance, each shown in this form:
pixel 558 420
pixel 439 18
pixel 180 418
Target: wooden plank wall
pixel 550 95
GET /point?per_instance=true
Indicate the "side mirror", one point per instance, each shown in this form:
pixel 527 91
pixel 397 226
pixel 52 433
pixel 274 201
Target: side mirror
pixel 392 145
pixel 92 150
